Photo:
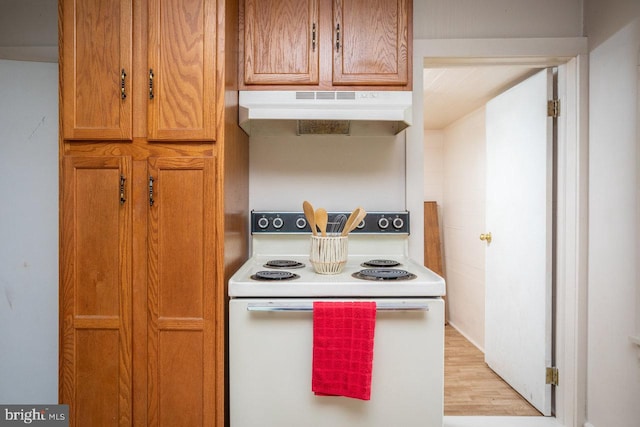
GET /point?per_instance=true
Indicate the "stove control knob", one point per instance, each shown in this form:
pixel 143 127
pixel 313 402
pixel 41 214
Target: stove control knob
pixel 277 222
pixel 398 223
pixel 301 223
pixel 263 222
pixel 383 223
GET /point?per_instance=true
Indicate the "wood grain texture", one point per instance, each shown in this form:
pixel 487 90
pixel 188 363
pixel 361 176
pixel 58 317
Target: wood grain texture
pixel 95 49
pixel 182 55
pixel 95 294
pixel 432 244
pixel 181 299
pixel 375 45
pixel 174 361
pixel 472 388
pixel 279 41
pixel 140 204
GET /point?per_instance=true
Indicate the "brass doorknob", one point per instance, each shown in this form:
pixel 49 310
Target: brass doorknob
pixel 486 237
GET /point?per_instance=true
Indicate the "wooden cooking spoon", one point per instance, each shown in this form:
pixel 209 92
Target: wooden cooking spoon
pixel 354 219
pixel 322 218
pixel 310 215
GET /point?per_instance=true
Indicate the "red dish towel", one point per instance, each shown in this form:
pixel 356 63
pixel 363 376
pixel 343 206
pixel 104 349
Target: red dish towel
pixel 343 348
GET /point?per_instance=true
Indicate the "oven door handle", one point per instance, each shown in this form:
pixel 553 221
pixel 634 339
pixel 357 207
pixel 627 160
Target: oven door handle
pixel 298 307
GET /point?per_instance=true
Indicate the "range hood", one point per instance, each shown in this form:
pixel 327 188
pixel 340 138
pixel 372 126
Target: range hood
pixel 370 113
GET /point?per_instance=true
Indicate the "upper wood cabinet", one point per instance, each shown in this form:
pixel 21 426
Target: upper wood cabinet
pixel 179 74
pixel 281 41
pixel 96 69
pixel 327 43
pixel 371 42
pixel 182 70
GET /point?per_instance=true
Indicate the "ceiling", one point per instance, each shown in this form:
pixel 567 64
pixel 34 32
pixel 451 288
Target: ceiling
pixel 451 91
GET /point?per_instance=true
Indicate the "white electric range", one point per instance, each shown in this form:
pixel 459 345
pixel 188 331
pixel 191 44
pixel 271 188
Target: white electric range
pixel 271 327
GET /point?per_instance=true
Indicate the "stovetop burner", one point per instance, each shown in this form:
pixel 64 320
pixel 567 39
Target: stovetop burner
pixel 283 263
pixel 381 263
pixel 274 275
pixel 383 274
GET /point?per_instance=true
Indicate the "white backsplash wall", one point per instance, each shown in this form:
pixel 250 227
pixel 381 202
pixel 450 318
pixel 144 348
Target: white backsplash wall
pixel 334 172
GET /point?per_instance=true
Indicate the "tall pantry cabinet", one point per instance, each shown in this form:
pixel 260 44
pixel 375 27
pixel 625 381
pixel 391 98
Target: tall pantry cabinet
pixel 149 150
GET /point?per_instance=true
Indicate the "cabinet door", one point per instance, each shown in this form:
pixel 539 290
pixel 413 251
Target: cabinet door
pixel 182 293
pixel 281 41
pixel 96 69
pixel 371 42
pixel 95 294
pixel 182 70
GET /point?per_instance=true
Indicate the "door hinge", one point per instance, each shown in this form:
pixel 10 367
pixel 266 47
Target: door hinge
pixel 552 376
pixel 553 108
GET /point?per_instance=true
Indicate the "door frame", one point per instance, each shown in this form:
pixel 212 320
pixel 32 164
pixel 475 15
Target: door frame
pixel 571 217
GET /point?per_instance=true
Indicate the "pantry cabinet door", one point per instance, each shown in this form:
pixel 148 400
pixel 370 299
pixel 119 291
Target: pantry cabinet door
pixel 182 70
pixel 96 69
pixel 183 294
pixel 281 42
pixel 95 294
pixel 371 42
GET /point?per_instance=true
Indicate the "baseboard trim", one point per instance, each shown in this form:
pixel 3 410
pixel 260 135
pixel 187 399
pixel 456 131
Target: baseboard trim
pixel 452 324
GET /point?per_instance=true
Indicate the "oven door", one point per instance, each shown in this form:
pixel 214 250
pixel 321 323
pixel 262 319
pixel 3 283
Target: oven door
pixel 270 357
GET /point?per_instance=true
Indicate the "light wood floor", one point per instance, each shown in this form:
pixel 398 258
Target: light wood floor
pixel 471 388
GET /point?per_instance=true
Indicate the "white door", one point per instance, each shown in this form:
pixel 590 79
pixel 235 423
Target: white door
pixel 519 257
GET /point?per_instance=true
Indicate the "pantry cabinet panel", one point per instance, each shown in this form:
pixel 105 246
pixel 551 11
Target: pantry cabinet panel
pixel 181 380
pixel 96 359
pixel 181 248
pixel 182 70
pixel 181 297
pixel 97 385
pixel 281 41
pixel 96 69
pixel 371 39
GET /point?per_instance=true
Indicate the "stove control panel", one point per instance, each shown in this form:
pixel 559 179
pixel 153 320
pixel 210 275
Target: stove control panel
pixel 295 222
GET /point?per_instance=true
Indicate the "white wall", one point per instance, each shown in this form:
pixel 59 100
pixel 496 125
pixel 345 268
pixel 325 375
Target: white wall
pixel 442 19
pixel 455 177
pixel 464 221
pixel 334 172
pixel 28 232
pixel 613 374
pixel 434 167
